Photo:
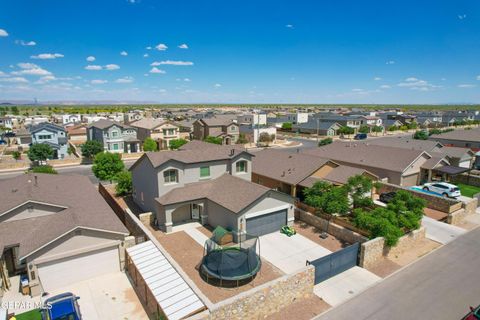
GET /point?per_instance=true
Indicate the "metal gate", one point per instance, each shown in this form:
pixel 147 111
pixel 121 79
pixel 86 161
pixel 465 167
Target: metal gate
pixel 335 263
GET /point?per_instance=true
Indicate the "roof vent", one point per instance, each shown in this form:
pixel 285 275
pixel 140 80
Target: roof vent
pixel 14 190
pixel 290 156
pixel 36 181
pixel 283 174
pixel 232 152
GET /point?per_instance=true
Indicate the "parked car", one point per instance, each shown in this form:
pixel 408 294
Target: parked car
pixel 62 307
pixel 387 197
pixel 474 314
pixel 360 136
pixel 443 188
pixel 3 142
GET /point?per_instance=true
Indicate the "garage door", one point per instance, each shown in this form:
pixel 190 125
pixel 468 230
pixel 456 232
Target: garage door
pixel 63 272
pixel 410 180
pixel 267 223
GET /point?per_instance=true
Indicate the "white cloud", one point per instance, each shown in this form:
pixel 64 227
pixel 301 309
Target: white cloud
pixel 124 53
pixel 411 79
pixel 3 33
pixel 162 91
pixel 90 58
pixel 98 81
pixel 466 86
pixel 187 80
pixel 357 90
pixel 14 80
pixel 377 78
pixel 30 69
pixel 44 56
pixel 183 46
pixel 478 77
pixel 289 26
pixel 217 85
pixel 112 67
pixel 385 86
pixel 418 84
pixel 390 62
pixel 26 43
pixel 2 74
pixel 462 16
pixel 145 55
pixel 46 79
pixel 172 63
pixel 93 67
pixel 148 48
pixel 161 47
pixel 156 70
pixel 124 80
pixel 27 65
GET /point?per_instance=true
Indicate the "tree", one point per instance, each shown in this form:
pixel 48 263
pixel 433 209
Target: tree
pixel 420 135
pixel 71 150
pixel 44 169
pixel 124 183
pixel 325 141
pixel 91 148
pixel 40 152
pixel 149 145
pixel 359 187
pixel 215 140
pixel 377 129
pixel 287 126
pixel 242 139
pixel 327 198
pixel 177 143
pixel 412 125
pixel 106 166
pixel 346 130
pixel 16 155
pixel 364 129
pixel 264 137
pixel 392 128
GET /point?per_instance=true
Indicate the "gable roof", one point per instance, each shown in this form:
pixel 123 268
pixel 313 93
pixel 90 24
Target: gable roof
pixel 219 120
pixel 104 124
pixel 46 126
pixel 406 143
pixel 460 135
pixel 149 123
pixel 85 208
pixel 232 193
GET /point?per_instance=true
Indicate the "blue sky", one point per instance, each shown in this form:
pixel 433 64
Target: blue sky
pixel 241 51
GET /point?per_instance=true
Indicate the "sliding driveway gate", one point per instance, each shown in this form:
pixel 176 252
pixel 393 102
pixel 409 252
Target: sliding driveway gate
pixel 335 263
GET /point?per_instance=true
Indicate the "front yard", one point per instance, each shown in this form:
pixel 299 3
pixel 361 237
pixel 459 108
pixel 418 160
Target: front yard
pixel 468 190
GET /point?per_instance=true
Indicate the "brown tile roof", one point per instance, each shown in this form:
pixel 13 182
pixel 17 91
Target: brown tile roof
pixel 193 152
pixel 77 130
pixel 460 135
pixel 433 162
pixel 232 193
pixel 367 155
pixel 285 166
pixel 219 120
pixel 104 124
pixel 148 123
pixel 406 143
pixel 342 173
pixel 84 208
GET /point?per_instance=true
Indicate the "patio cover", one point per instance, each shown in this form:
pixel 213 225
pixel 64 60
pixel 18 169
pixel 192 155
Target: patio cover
pixel 451 170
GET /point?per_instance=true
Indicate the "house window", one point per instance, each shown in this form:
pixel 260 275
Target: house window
pixel 241 166
pixel 45 137
pixel 233 128
pixel 115 146
pixel 204 172
pixel 170 176
pixel 114 134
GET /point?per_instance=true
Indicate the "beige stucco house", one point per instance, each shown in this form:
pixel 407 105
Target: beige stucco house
pixel 158 129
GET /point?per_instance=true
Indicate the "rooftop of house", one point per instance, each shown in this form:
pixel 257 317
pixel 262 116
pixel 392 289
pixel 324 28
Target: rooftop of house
pixel 406 143
pixel 460 135
pixel 193 152
pixel 219 120
pixel 82 207
pixel 104 124
pixel 232 193
pixel 369 155
pixel 46 126
pixel 148 123
pixel 77 130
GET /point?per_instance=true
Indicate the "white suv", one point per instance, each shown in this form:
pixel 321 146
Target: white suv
pixel 443 188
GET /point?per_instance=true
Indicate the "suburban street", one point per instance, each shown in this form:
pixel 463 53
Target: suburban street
pixel 441 285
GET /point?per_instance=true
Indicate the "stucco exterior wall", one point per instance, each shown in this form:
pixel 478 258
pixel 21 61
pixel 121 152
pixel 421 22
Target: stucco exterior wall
pixel 145 186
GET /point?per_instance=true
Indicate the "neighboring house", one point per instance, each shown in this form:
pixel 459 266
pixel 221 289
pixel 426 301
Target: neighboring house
pixel 297 117
pixel 256 119
pixel 291 173
pixel 57 230
pixel 407 143
pixel 211 184
pixel 392 123
pixel 252 133
pixel 93 118
pixel 6 122
pixel 23 138
pixel 71 118
pixel 114 136
pixel 400 166
pixel 186 129
pixel 314 126
pixel 77 134
pixel 371 121
pixel 460 157
pixel 132 116
pixel 222 127
pixel 33 121
pixel 53 135
pixel 349 121
pixel 459 138
pixel 158 129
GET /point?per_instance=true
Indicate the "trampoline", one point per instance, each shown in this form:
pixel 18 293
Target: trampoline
pixel 231 263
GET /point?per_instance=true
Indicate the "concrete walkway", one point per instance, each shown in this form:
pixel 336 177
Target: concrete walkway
pixel 196 235
pixel 345 285
pixel 441 232
pixel 289 254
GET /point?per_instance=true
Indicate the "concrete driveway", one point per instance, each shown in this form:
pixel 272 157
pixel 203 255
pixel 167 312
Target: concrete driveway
pixel 289 254
pixel 439 231
pixel 108 297
pixel 345 285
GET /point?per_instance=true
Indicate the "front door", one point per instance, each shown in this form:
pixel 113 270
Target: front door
pixel 9 258
pixel 195 211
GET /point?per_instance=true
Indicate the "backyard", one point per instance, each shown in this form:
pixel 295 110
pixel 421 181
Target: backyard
pixel 468 190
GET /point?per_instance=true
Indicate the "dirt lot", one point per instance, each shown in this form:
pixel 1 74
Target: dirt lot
pixel 124 202
pixel 303 309
pixel 188 254
pixel 331 243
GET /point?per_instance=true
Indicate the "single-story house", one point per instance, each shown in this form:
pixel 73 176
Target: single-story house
pixel 459 138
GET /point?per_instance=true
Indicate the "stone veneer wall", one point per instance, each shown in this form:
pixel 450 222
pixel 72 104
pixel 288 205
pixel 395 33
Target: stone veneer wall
pixel 433 202
pixel 473 180
pixel 335 230
pixel 265 299
pixel 468 207
pixel 371 252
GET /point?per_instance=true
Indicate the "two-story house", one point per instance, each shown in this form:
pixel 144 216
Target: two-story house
pixel 114 136
pixel 220 126
pixel 53 135
pixel 6 122
pixel 210 184
pixel 158 129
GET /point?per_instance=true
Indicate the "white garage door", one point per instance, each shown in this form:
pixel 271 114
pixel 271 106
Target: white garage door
pixel 63 272
pixel 464 164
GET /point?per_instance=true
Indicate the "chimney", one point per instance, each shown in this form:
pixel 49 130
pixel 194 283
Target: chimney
pixel 36 181
pixel 232 152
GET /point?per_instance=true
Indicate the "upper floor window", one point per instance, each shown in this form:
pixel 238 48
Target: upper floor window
pixel 114 133
pixel 204 172
pixel 233 128
pixel 170 176
pixel 241 166
pixel 44 137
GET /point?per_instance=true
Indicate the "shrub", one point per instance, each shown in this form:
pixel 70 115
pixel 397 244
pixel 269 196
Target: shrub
pixel 177 143
pixel 40 152
pixel 16 155
pixel 327 198
pixel 91 148
pixel 149 145
pixel 420 135
pixel 325 142
pixel 215 140
pixel 364 129
pixel 106 166
pixel 124 183
pixel 44 169
pixel 287 126
pixel 242 139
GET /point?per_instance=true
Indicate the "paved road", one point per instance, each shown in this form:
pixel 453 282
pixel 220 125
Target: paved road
pixel 440 286
pixel 84 170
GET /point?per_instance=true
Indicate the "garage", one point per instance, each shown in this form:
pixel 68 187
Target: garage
pixel 266 223
pixel 63 272
pixel 411 180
